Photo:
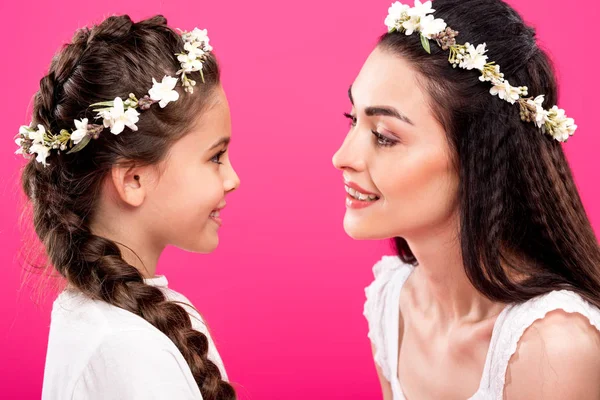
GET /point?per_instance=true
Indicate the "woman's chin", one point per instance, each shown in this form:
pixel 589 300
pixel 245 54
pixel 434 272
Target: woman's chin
pixel 359 230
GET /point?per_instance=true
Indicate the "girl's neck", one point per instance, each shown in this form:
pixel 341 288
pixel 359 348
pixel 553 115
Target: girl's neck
pixel 136 247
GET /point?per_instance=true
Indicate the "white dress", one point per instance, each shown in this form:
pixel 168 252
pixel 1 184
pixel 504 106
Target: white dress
pixel 383 313
pixel 99 351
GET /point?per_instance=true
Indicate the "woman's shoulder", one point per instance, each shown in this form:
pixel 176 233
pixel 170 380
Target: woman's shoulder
pixel 549 343
pixel 552 311
pixel 558 355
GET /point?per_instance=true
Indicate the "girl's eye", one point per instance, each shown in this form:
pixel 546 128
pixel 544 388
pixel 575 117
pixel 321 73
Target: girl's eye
pixel 352 119
pixel 217 158
pixel 383 141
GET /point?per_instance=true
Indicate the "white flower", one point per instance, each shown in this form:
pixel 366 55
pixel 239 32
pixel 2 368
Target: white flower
pixel 117 118
pixel 420 21
pixel 164 91
pixel 558 125
pixel 420 10
pixel 41 151
pixel 78 134
pixel 193 50
pixel 492 75
pixel 37 136
pixel 189 64
pixel 24 130
pixel 474 57
pixel 19 143
pixel 197 35
pixel 541 115
pixel 506 92
pixel 396 13
pixel 200 36
pixel 570 126
pixel 411 25
pixel 431 26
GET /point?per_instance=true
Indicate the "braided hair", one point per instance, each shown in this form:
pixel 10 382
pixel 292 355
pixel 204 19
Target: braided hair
pixel 113 59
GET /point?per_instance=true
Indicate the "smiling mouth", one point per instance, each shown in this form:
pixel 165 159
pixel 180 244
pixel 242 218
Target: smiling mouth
pixel 355 194
pixel 215 214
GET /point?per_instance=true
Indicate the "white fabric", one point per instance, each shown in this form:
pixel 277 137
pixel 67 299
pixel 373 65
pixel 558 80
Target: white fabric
pixel 98 351
pixel 382 313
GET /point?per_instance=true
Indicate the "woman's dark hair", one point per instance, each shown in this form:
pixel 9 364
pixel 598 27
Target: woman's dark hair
pixel 523 229
pixel 113 59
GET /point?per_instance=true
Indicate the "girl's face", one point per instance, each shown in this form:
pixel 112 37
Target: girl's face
pixel 396 162
pixel 184 207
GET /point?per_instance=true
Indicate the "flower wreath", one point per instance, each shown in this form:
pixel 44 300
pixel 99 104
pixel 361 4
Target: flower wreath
pixel 406 19
pixel 118 113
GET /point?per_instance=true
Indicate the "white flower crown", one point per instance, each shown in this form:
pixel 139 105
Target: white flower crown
pixel 118 113
pixel 403 18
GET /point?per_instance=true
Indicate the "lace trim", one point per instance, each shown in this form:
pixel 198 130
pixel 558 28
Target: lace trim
pixel 519 318
pixel 386 271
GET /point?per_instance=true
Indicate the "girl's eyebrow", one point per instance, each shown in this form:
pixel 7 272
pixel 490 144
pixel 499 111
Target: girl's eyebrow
pixel 224 140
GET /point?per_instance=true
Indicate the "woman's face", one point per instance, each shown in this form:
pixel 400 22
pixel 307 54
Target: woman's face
pixel 396 161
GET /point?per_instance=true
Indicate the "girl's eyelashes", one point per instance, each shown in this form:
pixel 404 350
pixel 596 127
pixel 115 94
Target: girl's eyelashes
pixel 351 117
pixel 217 157
pixel 382 140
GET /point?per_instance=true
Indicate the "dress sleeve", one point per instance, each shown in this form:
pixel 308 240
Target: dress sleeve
pixel 378 300
pixel 136 365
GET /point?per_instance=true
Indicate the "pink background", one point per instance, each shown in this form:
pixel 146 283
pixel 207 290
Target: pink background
pixel 284 291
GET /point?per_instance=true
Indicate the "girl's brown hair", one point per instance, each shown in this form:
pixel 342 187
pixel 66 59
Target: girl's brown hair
pixel 113 59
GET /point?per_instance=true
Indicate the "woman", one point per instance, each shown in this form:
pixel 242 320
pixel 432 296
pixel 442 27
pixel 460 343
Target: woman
pixel 495 288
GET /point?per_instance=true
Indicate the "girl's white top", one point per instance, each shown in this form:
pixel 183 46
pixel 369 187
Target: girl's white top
pixel 99 351
pixel 382 312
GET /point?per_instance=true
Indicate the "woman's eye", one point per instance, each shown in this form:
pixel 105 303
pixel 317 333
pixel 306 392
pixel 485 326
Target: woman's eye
pixel 383 141
pixel 352 119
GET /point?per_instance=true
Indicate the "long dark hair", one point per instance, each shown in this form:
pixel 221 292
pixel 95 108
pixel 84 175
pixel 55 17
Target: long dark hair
pixel 113 59
pixel 523 229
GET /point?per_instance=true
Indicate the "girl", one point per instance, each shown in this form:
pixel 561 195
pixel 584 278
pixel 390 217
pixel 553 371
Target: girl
pixel 128 148
pixel 495 288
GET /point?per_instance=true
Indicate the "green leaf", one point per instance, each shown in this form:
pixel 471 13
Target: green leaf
pixel 103 103
pixel 425 43
pixel 80 145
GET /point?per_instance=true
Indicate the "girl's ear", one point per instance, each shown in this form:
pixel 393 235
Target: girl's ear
pixel 131 184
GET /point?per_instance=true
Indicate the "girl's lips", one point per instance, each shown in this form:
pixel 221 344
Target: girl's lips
pixel 215 215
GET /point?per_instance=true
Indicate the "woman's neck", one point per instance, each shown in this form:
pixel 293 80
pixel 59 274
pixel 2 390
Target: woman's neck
pixel 440 285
